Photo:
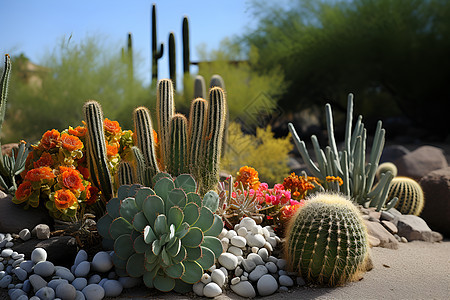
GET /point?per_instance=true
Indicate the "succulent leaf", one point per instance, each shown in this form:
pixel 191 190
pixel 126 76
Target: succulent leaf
pixel 176 197
pixel 194 198
pixel 214 244
pixel 141 195
pixel 193 272
pixel 211 200
pixel 216 227
pixel 163 283
pixel 103 225
pixel 191 213
pixel 135 265
pixel 149 235
pixel 193 238
pixel 128 209
pixel 156 247
pixel 174 248
pixel 193 254
pixel 112 207
pixel 139 244
pixel 152 207
pixel 186 182
pixel 163 187
pixel 206 219
pixel 118 262
pixel 175 271
pixel 207 259
pixel 139 221
pixel 160 226
pixel 175 217
pixel 182 230
pixel 148 280
pixel 123 246
pixel 181 256
pixel 120 226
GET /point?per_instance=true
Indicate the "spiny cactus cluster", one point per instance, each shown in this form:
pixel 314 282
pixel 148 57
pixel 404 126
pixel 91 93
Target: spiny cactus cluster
pixel 409 193
pixel 184 146
pixel 167 234
pixel 326 241
pixel 350 163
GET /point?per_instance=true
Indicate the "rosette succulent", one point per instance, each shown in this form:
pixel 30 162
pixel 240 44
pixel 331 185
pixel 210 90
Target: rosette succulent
pixel 166 234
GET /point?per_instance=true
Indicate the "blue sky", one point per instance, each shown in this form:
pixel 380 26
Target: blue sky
pixel 33 27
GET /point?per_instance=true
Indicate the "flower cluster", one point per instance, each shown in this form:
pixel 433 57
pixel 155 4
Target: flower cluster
pixel 56 171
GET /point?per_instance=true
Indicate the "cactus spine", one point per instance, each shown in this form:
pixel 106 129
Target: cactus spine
pixel 327 241
pixel 144 136
pixel 156 54
pixel 96 148
pixel 214 137
pixel 199 87
pixel 178 150
pixel 165 110
pixel 410 195
pixel 197 125
pixel 172 59
pixel 186 61
pixel 125 173
pixel 349 164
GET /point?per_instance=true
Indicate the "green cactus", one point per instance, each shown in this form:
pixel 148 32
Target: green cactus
pixel 216 118
pixel 165 109
pixel 145 141
pixel 199 87
pixel 10 166
pixel 125 174
pixel 384 167
pixel 96 149
pixel 410 195
pixel 186 61
pixel 156 54
pixel 172 59
pixel 349 164
pixel 216 80
pixel 326 241
pixel 178 149
pixel 163 234
pixel 197 125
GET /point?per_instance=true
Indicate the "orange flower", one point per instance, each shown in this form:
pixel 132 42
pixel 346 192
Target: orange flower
pixel 24 191
pixel 288 211
pixel 155 136
pixel 38 174
pixel 111 126
pixel 91 194
pixel 64 199
pixel 334 179
pixel 44 161
pixel 78 131
pixel 71 179
pixel 71 142
pixel 84 171
pixel 298 185
pixel 50 139
pixel 249 177
pixel 111 150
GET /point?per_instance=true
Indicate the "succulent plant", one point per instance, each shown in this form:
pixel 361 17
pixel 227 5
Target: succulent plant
pixel 410 195
pixel 166 234
pixel 384 167
pixel 349 164
pixel 10 166
pixel 326 240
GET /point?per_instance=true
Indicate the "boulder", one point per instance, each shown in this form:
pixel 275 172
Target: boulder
pixel 414 228
pixel 392 152
pixel 13 218
pixel 7 148
pixel 376 230
pixel 420 162
pixel 436 187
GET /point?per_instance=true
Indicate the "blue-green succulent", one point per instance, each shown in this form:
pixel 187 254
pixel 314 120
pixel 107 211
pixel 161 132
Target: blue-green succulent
pixel 167 234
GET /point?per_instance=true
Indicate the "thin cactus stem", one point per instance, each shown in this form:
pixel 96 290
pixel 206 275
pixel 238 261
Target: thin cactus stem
pixel 178 150
pixel 145 141
pixel 199 87
pixel 96 145
pixel 141 173
pixel 197 126
pixel 165 108
pixel 156 54
pixel 186 60
pixel 4 89
pixel 172 59
pixel 348 123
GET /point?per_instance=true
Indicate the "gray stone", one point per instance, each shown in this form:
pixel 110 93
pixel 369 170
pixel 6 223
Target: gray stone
pixel 300 281
pixel 256 258
pixel 80 296
pixel 387 216
pixel 244 289
pixel 393 152
pixel 113 288
pixel 42 231
pixel 248 264
pixel 25 234
pixel 37 282
pixel 5 281
pixel 212 290
pixel 81 256
pixel 64 273
pixel 415 228
pixel 93 292
pixel 79 283
pixel 420 162
pixel 66 291
pixel 271 267
pixel 256 274
pixel 102 262
pixel 387 240
pixel 267 285
pixel 55 282
pixel 82 269
pixel 27 265
pixel 238 272
pixel 264 254
pixel 198 288
pixel 129 282
pixel 46 293
pixel 281 264
pixel 94 279
pixel 26 286
pixel 16 293
pixel 285 280
pixel 44 268
pixel 20 273
pixel 283 289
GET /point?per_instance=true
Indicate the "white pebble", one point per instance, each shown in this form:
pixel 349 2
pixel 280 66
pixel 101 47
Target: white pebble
pixel 38 254
pixel 248 223
pixel 255 249
pixel 235 250
pixel 198 288
pixel 267 285
pixel 218 277
pixel 44 268
pixel 225 242
pixel 256 258
pixel 242 231
pixel 212 290
pixel 255 240
pixel 222 234
pixel 238 241
pixel 6 252
pixel 244 289
pixel 230 234
pixel 206 278
pixel 235 280
pixel 268 246
pixel 228 260
pixel 25 234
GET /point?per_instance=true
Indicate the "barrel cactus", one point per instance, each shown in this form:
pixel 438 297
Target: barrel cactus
pixel 165 234
pixel 384 167
pixel 327 240
pixel 409 193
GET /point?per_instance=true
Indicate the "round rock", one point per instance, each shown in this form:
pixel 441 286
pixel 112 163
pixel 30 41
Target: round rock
pixel 212 290
pixel 66 291
pixel 81 256
pixel 198 288
pixel 44 268
pixel 257 273
pixel 37 282
pixel 129 282
pixel 238 241
pixel 113 288
pixel 267 285
pixel 25 234
pixel 244 289
pixel 93 292
pixel 20 273
pixel 255 240
pixel 55 282
pixel 80 296
pixel 271 267
pixel 218 277
pixel 248 223
pixel 228 260
pixel 46 293
pixel 102 262
pixel 38 254
pixel 64 273
pixel 285 280
pixel 6 252
pixel 79 283
pixel 82 269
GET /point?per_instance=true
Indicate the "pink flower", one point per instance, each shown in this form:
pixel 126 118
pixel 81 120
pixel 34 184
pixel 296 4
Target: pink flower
pixel 293 202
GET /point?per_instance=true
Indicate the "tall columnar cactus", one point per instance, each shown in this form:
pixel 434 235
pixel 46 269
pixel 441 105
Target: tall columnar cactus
pixel 216 118
pixel 165 109
pixel 165 234
pixel 145 141
pixel 10 166
pixel 125 173
pixel 349 164
pixel 186 60
pixel 156 54
pixel 96 149
pixel 410 195
pixel 197 126
pixel 326 241
pixel 217 80
pixel 178 146
pixel 199 87
pixel 172 59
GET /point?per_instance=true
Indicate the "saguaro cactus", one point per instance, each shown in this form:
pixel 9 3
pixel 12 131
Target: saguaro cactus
pixel 156 54
pixel 197 126
pixel 96 149
pixel 144 136
pixel 326 241
pixel 199 87
pixel 178 150
pixel 186 60
pixel 172 59
pixel 125 173
pixel 165 109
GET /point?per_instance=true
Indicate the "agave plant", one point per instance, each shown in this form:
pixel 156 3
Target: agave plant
pixel 167 234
